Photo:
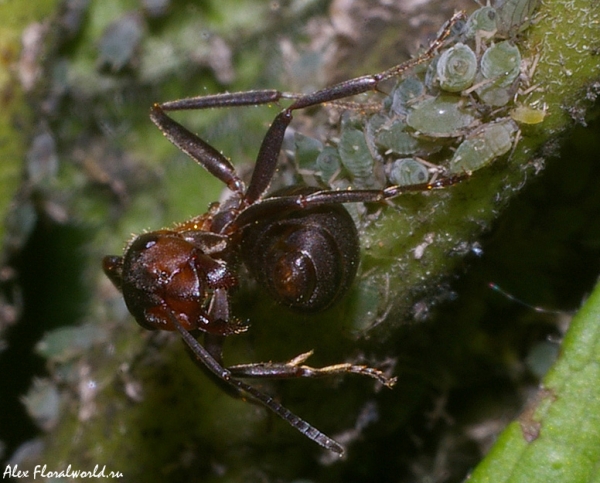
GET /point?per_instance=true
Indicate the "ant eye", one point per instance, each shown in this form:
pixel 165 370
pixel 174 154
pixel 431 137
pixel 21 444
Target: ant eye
pixel 113 268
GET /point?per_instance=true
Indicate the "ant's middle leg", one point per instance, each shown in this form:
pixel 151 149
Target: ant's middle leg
pixel 278 205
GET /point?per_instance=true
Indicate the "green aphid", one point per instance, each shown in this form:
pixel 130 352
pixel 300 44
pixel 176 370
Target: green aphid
pixel 482 24
pixel 408 171
pixel 395 139
pixel 356 156
pixel 407 93
pixel 328 164
pixel 483 146
pixel 443 116
pixel 456 68
pixel 306 151
pixel 500 67
pixel 514 16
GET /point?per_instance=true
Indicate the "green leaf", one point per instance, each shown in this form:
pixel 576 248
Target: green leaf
pixel 557 439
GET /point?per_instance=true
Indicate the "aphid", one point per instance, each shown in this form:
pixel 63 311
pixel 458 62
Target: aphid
pixel 120 42
pixel 456 68
pixel 483 146
pixel 501 63
pixel 482 24
pixel 500 66
pixel 395 139
pixel 406 94
pixel 328 164
pixel 528 115
pixel 356 156
pixel 299 243
pixel 443 116
pixel 306 150
pixel 408 171
pixel 156 8
pixel 514 16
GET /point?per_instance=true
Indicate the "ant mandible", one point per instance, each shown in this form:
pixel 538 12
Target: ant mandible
pixel 300 243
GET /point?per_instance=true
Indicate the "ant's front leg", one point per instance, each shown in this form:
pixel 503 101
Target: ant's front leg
pixel 296 368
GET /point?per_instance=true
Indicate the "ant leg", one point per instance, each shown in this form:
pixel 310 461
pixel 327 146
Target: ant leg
pixel 266 161
pixel 227 99
pixel 224 375
pixel 202 152
pixel 197 149
pixel 296 368
pixel 281 204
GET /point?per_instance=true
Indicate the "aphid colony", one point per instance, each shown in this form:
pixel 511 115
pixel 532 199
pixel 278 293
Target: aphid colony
pixel 448 116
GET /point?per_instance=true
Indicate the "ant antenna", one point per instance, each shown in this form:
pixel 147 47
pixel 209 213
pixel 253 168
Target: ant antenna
pixel 225 375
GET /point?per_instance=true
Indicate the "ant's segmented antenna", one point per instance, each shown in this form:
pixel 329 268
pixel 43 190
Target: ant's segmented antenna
pixel 295 421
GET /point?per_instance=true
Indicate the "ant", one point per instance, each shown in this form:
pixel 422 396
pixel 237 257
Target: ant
pixel 300 243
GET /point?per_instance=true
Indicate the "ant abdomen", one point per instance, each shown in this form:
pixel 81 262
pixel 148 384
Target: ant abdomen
pixel 306 258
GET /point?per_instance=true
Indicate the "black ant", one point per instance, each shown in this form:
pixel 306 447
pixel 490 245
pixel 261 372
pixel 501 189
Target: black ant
pixel 300 243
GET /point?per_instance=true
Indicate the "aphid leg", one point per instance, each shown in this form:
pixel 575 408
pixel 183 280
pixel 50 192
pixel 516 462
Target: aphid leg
pixel 296 368
pixel 225 375
pixel 514 144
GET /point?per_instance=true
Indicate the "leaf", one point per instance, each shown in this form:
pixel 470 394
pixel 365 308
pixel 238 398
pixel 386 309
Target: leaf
pixel 557 439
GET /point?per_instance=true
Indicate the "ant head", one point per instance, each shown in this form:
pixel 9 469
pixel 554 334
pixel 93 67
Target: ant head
pixel 162 275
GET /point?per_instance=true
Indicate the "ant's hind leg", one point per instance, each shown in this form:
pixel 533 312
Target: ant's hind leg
pixel 225 376
pixel 197 149
pixel 296 368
